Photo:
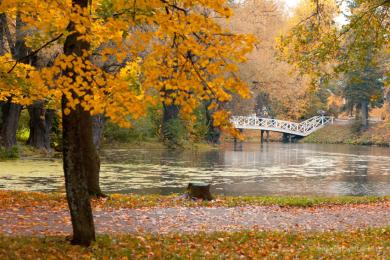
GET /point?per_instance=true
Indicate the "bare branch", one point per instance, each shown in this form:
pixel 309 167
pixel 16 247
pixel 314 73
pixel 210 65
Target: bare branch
pixel 175 6
pixel 35 52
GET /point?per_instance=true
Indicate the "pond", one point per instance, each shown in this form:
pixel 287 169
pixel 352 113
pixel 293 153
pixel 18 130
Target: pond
pixel 242 169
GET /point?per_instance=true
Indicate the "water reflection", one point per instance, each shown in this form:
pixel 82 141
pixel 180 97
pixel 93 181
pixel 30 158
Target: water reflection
pixel 234 169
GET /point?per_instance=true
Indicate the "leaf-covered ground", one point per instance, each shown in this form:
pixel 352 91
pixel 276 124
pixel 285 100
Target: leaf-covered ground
pixel 47 214
pixel 358 244
pixel 35 225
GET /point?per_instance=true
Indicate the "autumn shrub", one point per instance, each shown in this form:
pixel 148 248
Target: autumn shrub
pixel 23 134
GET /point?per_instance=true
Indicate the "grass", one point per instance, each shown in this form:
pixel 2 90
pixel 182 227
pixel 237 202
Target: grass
pixel 31 199
pixel 156 144
pixel 377 134
pixel 370 243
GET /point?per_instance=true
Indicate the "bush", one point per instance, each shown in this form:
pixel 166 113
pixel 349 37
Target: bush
pixel 142 130
pixel 9 153
pixel 175 133
pixel 23 134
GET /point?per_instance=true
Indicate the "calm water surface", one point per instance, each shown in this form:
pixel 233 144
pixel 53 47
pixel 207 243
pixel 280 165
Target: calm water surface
pixel 244 169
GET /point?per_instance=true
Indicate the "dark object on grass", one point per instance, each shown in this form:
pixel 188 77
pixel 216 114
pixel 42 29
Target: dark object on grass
pixel 199 191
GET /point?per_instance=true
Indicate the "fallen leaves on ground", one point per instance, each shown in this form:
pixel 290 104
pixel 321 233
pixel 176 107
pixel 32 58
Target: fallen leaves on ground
pixel 362 244
pixel 47 214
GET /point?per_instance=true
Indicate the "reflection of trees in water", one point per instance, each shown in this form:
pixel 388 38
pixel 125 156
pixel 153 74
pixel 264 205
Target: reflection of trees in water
pixel 167 168
pixel 237 146
pixel 358 179
pixel 262 155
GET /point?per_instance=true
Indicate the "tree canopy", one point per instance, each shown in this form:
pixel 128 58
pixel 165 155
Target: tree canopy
pixel 162 45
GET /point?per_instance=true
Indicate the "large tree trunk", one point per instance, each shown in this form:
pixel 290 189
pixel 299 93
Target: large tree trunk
pixel 10 114
pixel 3 24
pixel 41 121
pixel 364 114
pixel 77 134
pixel 76 178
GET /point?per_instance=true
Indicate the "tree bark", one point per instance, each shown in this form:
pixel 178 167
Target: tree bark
pixel 364 114
pixel 77 135
pixel 92 161
pixel 76 176
pixel 10 114
pixel 41 121
pixel 3 23
pixel 97 130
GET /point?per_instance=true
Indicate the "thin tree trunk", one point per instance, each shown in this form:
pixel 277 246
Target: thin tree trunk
pixel 41 121
pixel 97 130
pixel 92 164
pixel 92 160
pixel 364 114
pixel 213 133
pixel 77 135
pixel 3 23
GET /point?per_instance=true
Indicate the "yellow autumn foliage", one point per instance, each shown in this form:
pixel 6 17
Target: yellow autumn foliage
pixel 187 56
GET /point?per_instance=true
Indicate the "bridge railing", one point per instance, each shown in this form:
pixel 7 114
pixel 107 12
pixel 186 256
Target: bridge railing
pixel 304 128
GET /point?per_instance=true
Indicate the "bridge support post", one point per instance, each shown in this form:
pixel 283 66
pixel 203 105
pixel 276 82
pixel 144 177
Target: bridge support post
pixel 262 136
pixel 286 138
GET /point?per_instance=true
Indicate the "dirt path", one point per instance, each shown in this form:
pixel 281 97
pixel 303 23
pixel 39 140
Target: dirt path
pixel 40 220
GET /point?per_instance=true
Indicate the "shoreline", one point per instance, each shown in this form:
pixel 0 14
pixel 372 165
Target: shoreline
pixel 134 201
pixel 376 135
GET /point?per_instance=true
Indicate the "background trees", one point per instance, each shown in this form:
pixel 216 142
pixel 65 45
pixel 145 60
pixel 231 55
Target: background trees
pixel 354 50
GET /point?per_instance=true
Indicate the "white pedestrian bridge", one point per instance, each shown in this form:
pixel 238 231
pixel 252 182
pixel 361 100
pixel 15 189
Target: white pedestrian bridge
pixel 269 124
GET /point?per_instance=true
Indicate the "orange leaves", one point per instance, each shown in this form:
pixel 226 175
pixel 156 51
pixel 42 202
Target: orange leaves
pixel 188 56
pixel 22 83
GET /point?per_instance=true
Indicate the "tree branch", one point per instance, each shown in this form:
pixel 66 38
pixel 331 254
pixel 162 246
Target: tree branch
pixel 35 52
pixel 175 6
